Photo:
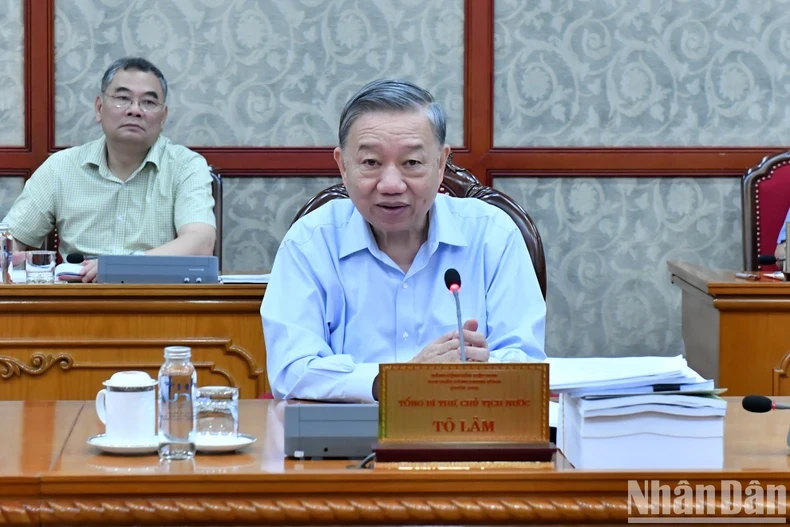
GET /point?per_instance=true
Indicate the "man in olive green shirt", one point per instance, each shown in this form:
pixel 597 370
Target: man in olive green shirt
pixel 130 192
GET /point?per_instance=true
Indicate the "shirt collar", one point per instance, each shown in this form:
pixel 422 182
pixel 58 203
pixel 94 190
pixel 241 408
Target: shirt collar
pixel 97 154
pixel 357 236
pixel 441 229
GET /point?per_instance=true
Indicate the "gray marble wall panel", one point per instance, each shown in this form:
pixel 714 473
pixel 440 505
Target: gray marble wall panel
pixel 256 215
pixel 653 72
pixel 257 72
pixel 12 78
pixel 10 187
pixel 607 242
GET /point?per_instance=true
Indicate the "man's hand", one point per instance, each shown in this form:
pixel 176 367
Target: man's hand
pixel 447 348
pixel 474 342
pixel 18 258
pixel 90 269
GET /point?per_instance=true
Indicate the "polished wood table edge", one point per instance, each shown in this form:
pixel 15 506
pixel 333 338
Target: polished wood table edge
pixel 20 485
pixel 470 508
pixel 306 494
pixel 723 282
pixel 131 298
pixel 130 290
pixel 243 510
pixel 360 481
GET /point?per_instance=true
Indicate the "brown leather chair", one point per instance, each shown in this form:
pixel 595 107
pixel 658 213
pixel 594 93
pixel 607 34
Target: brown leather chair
pixel 765 199
pixel 52 241
pixel 459 182
pixel 216 191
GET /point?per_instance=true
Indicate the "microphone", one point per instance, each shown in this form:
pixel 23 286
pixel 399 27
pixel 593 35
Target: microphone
pixel 761 404
pixel 75 258
pixel 768 259
pixel 452 279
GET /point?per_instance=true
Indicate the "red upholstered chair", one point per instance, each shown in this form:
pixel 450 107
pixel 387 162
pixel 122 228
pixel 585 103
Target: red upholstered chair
pixel 765 199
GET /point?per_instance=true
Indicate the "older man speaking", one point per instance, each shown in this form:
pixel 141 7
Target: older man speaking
pixel 360 282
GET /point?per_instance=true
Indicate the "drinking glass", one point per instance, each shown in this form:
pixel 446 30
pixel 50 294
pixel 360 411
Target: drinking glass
pixel 40 267
pixel 218 411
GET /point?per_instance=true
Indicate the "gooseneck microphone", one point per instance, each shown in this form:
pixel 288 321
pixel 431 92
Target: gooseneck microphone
pixel 761 404
pixel 768 259
pixel 75 258
pixel 452 279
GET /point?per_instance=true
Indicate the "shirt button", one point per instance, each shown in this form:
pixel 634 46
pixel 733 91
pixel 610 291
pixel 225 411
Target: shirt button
pixel 405 285
pixel 120 218
pixel 405 334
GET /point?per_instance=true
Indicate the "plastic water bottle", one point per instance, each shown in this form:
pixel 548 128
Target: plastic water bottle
pixel 177 390
pixel 6 253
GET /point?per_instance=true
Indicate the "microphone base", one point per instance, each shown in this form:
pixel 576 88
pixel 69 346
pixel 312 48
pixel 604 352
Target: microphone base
pixel 493 452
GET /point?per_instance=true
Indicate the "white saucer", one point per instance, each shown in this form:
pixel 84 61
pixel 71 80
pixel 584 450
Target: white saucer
pixel 112 447
pixel 219 443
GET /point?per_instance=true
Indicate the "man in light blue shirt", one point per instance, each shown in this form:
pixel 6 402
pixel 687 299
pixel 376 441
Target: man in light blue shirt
pixel 360 282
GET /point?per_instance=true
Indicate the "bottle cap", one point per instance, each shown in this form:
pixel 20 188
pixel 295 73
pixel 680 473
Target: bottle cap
pixel 178 352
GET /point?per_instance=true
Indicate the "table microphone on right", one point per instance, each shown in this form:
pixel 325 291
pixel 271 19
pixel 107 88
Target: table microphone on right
pixel 761 404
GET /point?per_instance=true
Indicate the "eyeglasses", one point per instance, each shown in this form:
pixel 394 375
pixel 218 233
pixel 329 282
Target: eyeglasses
pixel 146 105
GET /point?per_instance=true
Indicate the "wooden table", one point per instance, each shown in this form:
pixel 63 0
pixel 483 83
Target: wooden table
pixel 49 475
pixel 735 331
pixel 61 341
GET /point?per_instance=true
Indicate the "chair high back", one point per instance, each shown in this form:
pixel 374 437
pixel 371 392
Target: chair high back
pixel 216 191
pixel 52 241
pixel 460 183
pixel 765 198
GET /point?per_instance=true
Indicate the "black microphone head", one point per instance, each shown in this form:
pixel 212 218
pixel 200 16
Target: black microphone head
pixel 75 258
pixel 766 259
pixel 452 277
pixel 757 403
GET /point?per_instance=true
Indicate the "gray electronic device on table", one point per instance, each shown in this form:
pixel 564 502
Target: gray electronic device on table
pixel 331 430
pixel 147 269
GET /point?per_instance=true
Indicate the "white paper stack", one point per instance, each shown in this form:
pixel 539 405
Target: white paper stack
pixel 637 413
pixel 245 278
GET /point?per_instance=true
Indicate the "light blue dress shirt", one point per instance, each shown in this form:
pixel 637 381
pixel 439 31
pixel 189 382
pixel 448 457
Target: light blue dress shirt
pixel 336 306
pixel 782 234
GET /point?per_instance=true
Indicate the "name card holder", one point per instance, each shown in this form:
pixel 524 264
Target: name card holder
pixel 462 414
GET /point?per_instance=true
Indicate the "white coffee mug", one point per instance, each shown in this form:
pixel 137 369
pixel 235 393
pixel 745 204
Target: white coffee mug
pixel 127 407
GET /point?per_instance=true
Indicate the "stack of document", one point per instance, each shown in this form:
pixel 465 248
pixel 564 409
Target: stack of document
pixel 637 413
pixel 245 278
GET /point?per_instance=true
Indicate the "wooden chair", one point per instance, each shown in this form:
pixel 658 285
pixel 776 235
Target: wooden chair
pixel 459 182
pixel 765 199
pixel 52 241
pixel 216 191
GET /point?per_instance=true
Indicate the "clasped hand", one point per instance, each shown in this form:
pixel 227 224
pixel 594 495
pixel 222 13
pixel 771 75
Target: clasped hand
pixel 90 270
pixel 447 348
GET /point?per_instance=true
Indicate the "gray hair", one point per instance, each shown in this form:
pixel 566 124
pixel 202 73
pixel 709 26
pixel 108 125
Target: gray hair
pixel 387 95
pixel 133 63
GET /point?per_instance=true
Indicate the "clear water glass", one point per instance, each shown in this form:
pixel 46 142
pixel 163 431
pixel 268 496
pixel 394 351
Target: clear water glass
pixel 40 267
pixel 217 410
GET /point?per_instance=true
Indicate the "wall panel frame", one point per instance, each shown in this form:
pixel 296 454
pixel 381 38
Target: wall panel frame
pixel 477 153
